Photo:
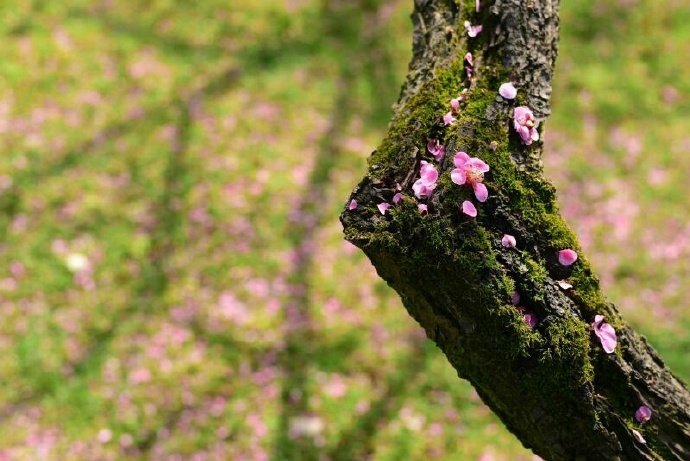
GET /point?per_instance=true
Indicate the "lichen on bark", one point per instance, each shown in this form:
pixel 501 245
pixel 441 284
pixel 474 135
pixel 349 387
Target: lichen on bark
pixel 552 385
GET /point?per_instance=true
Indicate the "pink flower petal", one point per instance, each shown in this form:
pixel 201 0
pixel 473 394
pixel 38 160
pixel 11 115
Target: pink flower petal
pixel 353 204
pixel 458 176
pixel 643 414
pixel 530 319
pixel 422 189
pixel 436 149
pixel 507 90
pixel 460 159
pixel 397 198
pixel 605 333
pixel 448 119
pixel 423 209
pixel 428 172
pixel 508 241
pixel 473 31
pixel 567 257
pixel 383 207
pixel 480 191
pixel 469 59
pixel 515 298
pixel 469 209
pixel 480 165
pixel 455 104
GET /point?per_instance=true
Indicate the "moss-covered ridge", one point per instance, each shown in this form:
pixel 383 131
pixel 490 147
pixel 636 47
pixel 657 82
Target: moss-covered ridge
pixel 550 362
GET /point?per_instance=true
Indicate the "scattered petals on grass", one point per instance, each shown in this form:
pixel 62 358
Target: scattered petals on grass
pixel 397 198
pixel 638 436
pixel 473 31
pixel 469 209
pixel 436 149
pixel 507 90
pixel 383 207
pixel 606 334
pixel 567 257
pixel 470 170
pixel 352 205
pixel 643 414
pixel 525 125
pixel 508 241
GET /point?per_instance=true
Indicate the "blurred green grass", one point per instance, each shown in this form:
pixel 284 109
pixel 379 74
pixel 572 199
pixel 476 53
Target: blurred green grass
pixel 173 280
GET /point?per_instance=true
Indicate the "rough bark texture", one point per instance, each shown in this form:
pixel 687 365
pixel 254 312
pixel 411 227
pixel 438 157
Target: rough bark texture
pixel 552 385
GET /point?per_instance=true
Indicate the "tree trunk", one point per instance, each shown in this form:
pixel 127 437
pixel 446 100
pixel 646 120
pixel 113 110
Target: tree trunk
pixel 553 385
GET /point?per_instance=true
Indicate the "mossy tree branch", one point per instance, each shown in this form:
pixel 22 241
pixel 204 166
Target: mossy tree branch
pixel 552 385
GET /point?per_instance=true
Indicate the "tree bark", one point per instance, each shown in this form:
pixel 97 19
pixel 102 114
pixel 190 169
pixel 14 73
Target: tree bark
pixel 552 385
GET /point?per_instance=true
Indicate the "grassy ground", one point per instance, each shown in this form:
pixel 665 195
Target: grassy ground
pixel 173 281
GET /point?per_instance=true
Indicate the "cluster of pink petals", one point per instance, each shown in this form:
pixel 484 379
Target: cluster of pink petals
pixel 470 170
pixel 469 209
pixel 643 414
pixel 469 64
pixel 508 241
pixel 425 185
pixel 567 257
pixel 383 207
pixel 525 124
pixel 507 90
pixel 473 31
pixel 605 333
pixel 436 149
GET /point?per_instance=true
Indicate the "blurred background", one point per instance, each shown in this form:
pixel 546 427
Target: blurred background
pixel 173 280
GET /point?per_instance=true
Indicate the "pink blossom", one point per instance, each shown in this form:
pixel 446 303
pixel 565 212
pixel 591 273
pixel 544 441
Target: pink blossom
pixel 353 204
pixel 515 298
pixel 473 31
pixel 643 414
pixel 525 124
pixel 605 333
pixel 383 207
pixel 529 317
pixel 469 209
pixel 397 198
pixel 470 170
pixel 567 257
pixel 448 119
pixel 426 184
pixel 507 90
pixel 436 149
pixel 508 241
pixel 423 209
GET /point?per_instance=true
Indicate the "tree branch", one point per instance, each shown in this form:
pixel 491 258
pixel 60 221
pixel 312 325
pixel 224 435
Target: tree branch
pixel 552 384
